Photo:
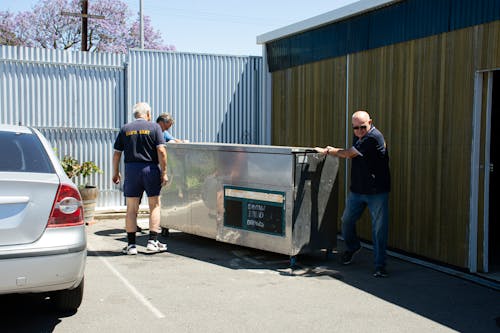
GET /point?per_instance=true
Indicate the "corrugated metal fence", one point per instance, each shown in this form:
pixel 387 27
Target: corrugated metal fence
pixel 79 100
pixel 212 98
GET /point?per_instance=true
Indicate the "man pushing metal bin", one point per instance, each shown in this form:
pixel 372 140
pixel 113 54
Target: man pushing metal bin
pixel 273 198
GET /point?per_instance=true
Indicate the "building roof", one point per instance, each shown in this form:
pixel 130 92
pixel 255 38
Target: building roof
pixel 339 14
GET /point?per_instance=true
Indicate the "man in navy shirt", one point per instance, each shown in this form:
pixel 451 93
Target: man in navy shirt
pixel 143 145
pixel 370 186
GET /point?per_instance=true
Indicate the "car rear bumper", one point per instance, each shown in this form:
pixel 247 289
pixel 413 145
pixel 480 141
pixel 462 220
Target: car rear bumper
pixel 43 273
pixel 55 261
pixel 53 241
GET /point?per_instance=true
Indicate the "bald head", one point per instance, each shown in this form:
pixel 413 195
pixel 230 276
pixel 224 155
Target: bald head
pixel 361 123
pixel 361 115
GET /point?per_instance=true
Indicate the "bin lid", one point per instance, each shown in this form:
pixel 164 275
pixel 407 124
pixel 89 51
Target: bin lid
pixel 241 148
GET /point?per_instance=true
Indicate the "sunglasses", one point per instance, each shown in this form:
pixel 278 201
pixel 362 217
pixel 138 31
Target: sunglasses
pixel 363 127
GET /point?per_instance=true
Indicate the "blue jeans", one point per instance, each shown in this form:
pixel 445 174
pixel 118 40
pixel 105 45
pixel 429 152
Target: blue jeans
pixel 378 204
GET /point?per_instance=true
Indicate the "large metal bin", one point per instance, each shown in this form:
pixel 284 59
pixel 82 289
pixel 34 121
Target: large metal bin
pixel 278 199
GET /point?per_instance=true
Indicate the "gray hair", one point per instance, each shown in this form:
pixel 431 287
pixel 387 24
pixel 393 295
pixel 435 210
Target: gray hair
pixel 141 109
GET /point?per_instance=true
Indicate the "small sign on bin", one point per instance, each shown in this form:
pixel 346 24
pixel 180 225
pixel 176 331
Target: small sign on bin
pixel 254 210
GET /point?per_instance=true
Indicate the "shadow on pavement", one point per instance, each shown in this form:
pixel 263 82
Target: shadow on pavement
pixel 29 313
pixel 453 302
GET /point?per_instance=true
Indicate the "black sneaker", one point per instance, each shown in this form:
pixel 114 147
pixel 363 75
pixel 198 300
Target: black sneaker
pixel 348 255
pixel 380 272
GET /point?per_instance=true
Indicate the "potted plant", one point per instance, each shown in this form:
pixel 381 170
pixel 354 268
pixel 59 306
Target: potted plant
pixel 89 193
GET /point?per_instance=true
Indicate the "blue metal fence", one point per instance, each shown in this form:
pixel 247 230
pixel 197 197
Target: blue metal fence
pixel 79 100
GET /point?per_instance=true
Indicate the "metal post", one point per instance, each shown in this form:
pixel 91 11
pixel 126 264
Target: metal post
pixel 141 27
pixel 85 8
pixel 347 125
pixel 475 168
pixel 85 16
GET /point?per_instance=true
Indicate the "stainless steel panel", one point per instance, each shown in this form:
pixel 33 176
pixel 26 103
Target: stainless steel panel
pixel 315 202
pixel 201 174
pixel 198 174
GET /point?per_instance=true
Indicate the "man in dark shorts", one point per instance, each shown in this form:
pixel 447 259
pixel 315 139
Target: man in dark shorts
pixel 143 145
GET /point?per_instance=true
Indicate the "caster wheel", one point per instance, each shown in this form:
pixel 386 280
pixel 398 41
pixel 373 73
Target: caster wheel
pixel 165 232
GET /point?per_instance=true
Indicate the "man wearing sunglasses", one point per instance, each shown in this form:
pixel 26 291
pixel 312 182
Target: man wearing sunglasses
pixel 370 186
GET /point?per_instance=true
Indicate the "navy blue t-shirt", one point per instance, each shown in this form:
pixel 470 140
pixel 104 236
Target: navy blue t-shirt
pixel 139 140
pixel 370 169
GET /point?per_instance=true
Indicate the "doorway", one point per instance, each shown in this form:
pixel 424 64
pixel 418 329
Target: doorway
pixel 494 168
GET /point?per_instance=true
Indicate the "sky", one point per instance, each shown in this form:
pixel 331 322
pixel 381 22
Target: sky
pixel 216 26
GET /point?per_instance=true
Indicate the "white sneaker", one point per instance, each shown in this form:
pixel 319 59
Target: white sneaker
pixel 156 246
pixel 130 249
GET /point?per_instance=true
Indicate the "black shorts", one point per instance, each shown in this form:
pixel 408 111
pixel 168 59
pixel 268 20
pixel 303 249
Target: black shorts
pixel 140 177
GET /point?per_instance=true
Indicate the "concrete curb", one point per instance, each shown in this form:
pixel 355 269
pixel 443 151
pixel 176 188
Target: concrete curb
pixel 118 212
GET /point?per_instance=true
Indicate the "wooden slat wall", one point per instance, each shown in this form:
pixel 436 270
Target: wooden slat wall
pixel 420 95
pixel 309 104
pixel 488 45
pixel 421 99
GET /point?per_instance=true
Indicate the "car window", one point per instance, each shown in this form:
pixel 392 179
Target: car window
pixel 23 152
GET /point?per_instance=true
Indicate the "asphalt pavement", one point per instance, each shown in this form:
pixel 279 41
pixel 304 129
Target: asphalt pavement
pixel 201 285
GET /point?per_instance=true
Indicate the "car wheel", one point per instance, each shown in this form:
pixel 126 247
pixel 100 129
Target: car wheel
pixel 69 299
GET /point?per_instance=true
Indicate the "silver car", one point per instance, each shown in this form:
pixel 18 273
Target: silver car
pixel 43 244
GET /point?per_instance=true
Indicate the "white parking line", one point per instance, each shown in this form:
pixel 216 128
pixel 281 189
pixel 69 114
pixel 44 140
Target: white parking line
pixel 134 291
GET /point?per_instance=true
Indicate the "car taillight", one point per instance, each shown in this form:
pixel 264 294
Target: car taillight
pixel 67 209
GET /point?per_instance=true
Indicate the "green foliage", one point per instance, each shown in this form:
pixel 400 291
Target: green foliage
pixel 74 168
pixel 70 166
pixel 89 168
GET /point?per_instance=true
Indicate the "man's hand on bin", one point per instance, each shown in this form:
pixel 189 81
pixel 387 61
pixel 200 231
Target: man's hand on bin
pixel 326 150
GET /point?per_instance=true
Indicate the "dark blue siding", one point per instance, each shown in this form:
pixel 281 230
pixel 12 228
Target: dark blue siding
pixel 465 13
pixel 358 34
pixel 402 21
pixel 386 26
